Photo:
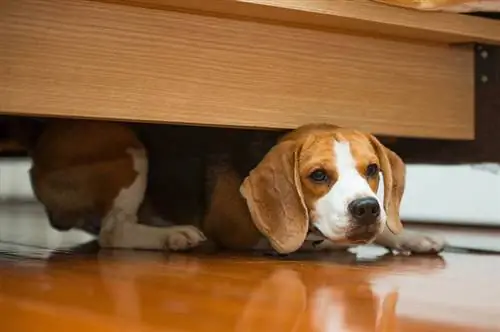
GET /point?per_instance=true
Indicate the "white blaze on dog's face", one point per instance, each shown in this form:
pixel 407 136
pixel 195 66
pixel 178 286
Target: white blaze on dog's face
pixel 323 180
pixel 340 177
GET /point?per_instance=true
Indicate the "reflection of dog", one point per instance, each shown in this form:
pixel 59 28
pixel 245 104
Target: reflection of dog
pixel 328 298
pixel 149 291
pixel 314 187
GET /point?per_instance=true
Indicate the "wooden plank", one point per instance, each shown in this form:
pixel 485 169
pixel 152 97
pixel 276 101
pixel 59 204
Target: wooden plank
pixel 360 16
pixel 485 148
pixel 97 60
pixel 453 6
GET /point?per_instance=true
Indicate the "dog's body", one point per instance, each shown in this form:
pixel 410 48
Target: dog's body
pixel 240 189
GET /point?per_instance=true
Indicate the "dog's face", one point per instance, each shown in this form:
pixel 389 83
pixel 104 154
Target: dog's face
pixel 323 179
pixel 339 177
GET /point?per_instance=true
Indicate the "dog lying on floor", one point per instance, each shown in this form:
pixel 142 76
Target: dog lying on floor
pixel 311 189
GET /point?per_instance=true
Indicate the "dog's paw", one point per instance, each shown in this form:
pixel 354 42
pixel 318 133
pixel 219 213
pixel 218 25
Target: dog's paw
pixel 417 243
pixel 181 238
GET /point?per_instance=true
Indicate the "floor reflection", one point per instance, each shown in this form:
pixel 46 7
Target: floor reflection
pixel 136 290
pixel 62 283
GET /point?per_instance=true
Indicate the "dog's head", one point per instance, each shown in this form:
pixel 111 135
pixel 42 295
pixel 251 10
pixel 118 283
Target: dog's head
pixel 324 179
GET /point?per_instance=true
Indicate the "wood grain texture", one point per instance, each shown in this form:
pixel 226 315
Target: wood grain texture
pixel 97 60
pixel 485 148
pixel 455 6
pixel 361 16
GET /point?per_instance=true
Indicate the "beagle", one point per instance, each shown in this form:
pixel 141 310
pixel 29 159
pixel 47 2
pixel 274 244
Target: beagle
pixel 312 189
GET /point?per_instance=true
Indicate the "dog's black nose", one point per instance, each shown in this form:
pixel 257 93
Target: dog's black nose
pixel 365 210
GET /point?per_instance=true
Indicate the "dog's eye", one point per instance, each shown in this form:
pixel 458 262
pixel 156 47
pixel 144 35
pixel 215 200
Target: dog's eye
pixel 319 175
pixel 372 170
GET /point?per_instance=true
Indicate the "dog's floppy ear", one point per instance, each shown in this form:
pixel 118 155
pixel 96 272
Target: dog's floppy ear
pixel 394 171
pixel 274 197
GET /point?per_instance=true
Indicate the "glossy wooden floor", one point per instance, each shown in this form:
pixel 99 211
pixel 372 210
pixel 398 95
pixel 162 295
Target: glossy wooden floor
pixel 45 286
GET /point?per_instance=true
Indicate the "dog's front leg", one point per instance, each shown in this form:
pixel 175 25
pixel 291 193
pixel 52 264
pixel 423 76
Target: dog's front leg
pixel 121 230
pixel 120 227
pixel 411 242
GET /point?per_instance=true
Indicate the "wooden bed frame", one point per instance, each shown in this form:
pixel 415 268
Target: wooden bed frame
pixel 248 63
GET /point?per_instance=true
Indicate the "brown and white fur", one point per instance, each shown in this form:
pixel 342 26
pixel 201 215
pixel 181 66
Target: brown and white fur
pixel 93 176
pixel 240 189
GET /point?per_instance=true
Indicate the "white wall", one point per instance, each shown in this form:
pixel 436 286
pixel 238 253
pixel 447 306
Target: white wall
pixel 465 194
